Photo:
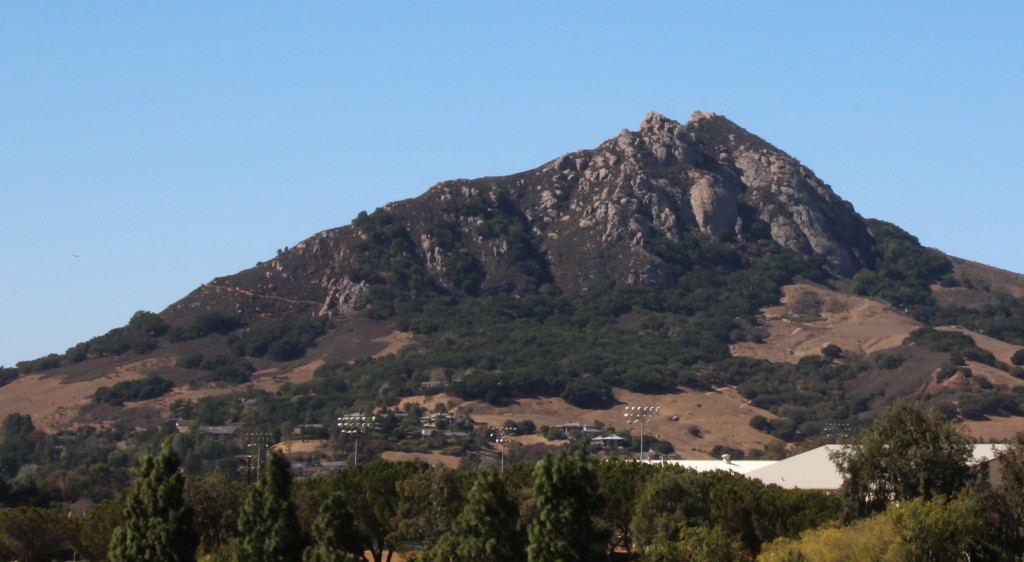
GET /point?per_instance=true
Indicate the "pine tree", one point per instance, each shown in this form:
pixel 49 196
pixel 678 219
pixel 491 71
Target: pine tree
pixel 487 528
pixel 567 497
pixel 334 533
pixel 268 522
pixel 157 524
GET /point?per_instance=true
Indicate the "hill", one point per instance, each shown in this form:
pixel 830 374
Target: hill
pixel 688 265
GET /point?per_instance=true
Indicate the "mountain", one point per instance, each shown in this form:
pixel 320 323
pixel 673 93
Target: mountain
pixel 691 265
pixel 580 222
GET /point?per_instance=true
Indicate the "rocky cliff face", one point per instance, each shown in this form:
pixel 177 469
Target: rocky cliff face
pixel 578 222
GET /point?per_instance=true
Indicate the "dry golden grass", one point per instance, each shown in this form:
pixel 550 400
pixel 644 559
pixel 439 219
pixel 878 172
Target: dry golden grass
pixel 858 325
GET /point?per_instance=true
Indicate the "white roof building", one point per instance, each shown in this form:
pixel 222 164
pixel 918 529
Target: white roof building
pixel 738 467
pixel 810 470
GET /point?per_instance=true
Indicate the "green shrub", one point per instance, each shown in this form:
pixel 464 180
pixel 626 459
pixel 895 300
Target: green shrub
pixel 281 340
pixel 206 324
pixel 588 392
pixel 228 368
pixel 51 361
pixel 889 361
pixel 133 391
pixel 7 375
pixel 192 360
pixel 1018 357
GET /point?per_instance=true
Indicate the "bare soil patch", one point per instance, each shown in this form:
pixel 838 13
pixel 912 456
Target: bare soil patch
pixel 296 446
pixel 53 404
pixel 394 342
pixel 995 429
pixel 1002 350
pixel 722 417
pixel 433 459
pixel 858 325
pixel 980 284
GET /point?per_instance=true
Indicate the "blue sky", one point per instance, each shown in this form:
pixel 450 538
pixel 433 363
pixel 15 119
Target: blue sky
pixel 166 144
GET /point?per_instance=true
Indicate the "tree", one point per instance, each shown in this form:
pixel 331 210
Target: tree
pixel 1018 357
pixel 1011 490
pixel 17 443
pixel 33 534
pixel 620 483
pixel 865 540
pixel 697 544
pixel 334 535
pixel 157 523
pixel 429 502
pixel 566 492
pixel 91 539
pixel 832 351
pixel 371 491
pixel 215 500
pixel 940 530
pixel 487 528
pixel 268 523
pixel 669 500
pixel 911 451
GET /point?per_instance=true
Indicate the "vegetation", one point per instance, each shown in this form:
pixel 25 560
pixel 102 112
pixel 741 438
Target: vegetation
pixel 887 464
pixel 268 522
pixel 916 499
pixel 7 375
pixel 281 340
pixel 157 523
pixel 206 324
pixel 566 493
pixel 133 391
pixel 139 335
pixel 488 527
pixel 903 270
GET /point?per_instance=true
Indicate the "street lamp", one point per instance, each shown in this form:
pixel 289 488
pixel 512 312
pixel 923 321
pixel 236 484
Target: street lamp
pixel 640 414
pixel 356 424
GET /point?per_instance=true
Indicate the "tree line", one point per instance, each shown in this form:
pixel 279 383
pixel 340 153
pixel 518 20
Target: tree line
pixel 910 493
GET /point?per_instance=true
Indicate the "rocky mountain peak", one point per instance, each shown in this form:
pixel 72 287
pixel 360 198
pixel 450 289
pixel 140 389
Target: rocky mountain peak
pixel 581 221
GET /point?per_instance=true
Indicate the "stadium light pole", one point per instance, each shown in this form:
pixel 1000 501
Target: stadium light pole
pixel 640 414
pixel 256 441
pixel 499 439
pixel 356 424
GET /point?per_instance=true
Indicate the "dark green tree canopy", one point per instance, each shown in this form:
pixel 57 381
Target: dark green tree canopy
pixel 157 524
pixel 910 452
pixel 488 527
pixel 268 523
pixel 567 495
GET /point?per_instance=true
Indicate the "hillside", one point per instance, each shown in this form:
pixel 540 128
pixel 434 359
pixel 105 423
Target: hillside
pixel 688 265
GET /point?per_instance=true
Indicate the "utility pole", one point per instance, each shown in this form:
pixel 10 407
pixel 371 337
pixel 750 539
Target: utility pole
pixel 640 414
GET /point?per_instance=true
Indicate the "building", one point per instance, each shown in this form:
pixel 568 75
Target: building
pixel 810 470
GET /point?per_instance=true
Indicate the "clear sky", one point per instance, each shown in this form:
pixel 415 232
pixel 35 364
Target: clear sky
pixel 148 147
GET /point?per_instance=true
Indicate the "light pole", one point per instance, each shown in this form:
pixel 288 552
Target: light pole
pixel 499 439
pixel 838 431
pixel 640 414
pixel 257 442
pixel 356 424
